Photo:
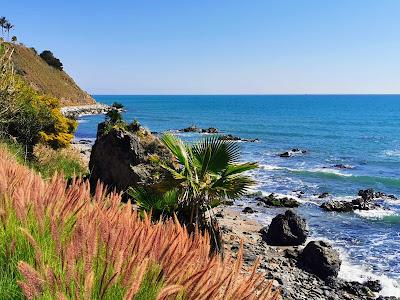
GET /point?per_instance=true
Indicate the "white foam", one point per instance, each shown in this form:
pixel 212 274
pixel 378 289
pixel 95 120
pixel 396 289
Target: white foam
pixel 270 167
pixel 392 153
pixel 350 272
pixel 378 213
pixel 329 171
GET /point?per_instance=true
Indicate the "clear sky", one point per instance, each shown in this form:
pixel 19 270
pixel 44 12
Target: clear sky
pixel 218 46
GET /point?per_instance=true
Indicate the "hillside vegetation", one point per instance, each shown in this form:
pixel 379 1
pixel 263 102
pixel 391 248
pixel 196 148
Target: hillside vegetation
pixel 48 80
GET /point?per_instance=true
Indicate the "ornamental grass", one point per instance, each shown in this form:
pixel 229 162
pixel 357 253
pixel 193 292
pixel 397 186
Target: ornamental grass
pixel 59 242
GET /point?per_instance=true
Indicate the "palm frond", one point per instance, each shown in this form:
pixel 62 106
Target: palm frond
pixel 240 168
pixel 214 154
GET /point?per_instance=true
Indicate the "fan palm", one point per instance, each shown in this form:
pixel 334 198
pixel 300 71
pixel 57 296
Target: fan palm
pixel 206 171
pixel 3 22
pixel 161 205
pixel 8 26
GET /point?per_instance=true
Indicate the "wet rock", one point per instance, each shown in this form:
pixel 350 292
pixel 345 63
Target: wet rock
pixel 373 285
pixel 323 195
pixel 230 137
pixel 273 200
pixel 367 195
pixel 286 230
pixel 342 166
pixel 248 210
pixel 356 288
pixel 337 206
pixel 319 258
pixel 210 130
pixel 292 152
pixel 387 298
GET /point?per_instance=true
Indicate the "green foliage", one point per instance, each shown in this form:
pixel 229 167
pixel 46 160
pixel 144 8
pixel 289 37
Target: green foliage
pixel 27 116
pixel 117 105
pixel 151 284
pixel 206 172
pixel 66 161
pixel 160 204
pixel 49 58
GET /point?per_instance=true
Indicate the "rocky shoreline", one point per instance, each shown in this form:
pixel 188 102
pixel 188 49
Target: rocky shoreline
pixel 281 263
pixel 85 110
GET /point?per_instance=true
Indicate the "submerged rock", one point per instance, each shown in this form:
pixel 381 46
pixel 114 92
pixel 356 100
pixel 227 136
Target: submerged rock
pixel 292 152
pixel 230 137
pixel 286 230
pixel 319 258
pixel 273 200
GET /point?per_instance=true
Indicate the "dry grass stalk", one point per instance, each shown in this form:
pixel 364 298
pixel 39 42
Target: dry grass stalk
pixel 109 244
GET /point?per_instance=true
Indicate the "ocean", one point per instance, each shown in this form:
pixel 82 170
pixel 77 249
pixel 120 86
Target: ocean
pixel 361 132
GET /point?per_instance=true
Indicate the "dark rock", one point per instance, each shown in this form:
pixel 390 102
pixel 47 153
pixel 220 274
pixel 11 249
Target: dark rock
pixel 272 200
pixel 248 210
pixel 285 154
pixel 292 152
pixel 230 137
pixel 367 195
pixel 373 285
pixel 209 130
pixel 192 128
pixel 286 230
pixel 338 206
pixel 292 253
pixel 356 288
pixel 121 159
pixel 387 298
pixel 219 214
pixel 323 195
pixel 342 166
pixel 227 202
pixel 319 258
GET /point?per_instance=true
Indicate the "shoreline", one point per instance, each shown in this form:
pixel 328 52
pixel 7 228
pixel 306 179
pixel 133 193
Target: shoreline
pixel 236 225
pixel 85 110
pixel 277 261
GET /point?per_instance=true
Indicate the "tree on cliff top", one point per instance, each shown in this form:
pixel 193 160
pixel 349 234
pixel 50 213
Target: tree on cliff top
pixel 49 58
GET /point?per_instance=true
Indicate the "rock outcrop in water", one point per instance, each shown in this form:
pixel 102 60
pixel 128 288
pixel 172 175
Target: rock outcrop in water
pixel 292 152
pixel 319 258
pixel 365 202
pixel 122 158
pixel 274 201
pixel 286 230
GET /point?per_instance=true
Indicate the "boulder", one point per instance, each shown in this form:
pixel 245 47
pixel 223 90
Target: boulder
pixel 122 159
pixel 337 206
pixel 230 137
pixel 248 210
pixel 209 130
pixel 367 195
pixel 319 258
pixel 273 200
pixel 348 206
pixel 294 151
pixel 323 195
pixel 286 230
pixel 192 128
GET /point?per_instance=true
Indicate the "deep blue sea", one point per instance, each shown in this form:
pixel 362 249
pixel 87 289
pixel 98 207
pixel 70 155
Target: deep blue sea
pixel 361 132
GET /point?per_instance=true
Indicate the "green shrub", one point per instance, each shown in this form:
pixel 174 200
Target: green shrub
pixel 49 58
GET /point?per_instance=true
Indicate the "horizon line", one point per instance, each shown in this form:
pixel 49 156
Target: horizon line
pixel 228 94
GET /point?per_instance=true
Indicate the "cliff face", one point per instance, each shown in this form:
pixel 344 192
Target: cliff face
pixel 48 80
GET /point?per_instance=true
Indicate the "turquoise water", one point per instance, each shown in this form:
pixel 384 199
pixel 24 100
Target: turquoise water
pixel 361 132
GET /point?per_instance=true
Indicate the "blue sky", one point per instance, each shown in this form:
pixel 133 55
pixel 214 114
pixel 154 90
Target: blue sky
pixel 218 47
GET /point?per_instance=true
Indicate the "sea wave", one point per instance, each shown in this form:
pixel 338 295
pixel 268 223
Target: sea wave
pixel 352 272
pixel 379 213
pixel 392 153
